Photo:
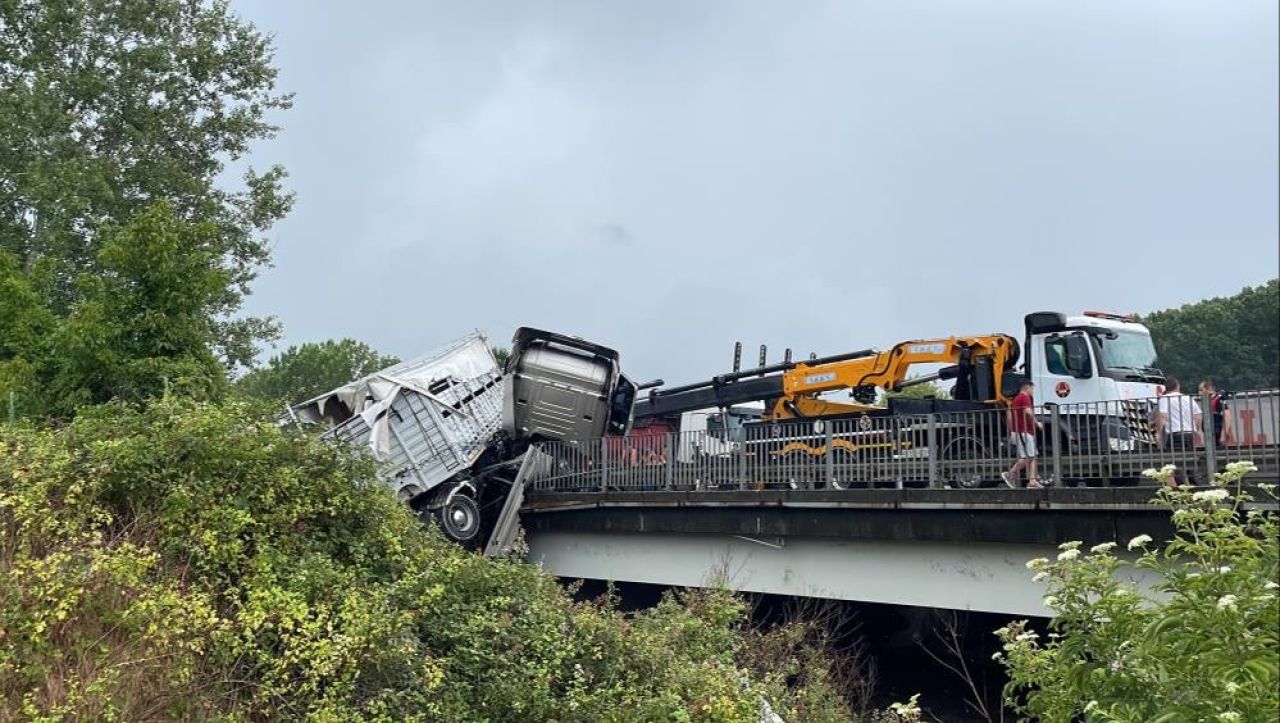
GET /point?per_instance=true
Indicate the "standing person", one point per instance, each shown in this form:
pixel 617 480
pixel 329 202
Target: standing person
pixel 1219 410
pixel 1022 433
pixel 1177 419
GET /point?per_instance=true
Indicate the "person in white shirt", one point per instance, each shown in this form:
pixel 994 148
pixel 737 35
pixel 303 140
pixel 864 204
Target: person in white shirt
pixel 1177 419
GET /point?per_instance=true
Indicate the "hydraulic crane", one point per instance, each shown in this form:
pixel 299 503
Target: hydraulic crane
pixel 978 364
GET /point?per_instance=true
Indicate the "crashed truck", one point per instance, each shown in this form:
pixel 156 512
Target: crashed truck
pixel 455 434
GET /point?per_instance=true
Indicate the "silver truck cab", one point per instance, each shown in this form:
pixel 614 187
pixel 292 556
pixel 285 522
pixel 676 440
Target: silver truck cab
pixel 560 387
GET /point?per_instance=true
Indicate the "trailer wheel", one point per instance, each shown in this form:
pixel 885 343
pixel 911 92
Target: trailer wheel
pixel 459 517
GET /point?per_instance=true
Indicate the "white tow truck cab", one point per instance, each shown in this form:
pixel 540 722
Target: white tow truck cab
pixel 1100 368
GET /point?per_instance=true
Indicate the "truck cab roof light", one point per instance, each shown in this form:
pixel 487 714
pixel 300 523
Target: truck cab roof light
pixel 1114 317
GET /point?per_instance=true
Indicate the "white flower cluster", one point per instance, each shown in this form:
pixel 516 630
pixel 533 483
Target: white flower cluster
pixel 1037 563
pixel 1214 495
pixel 1139 541
pixel 1102 548
pixel 1068 555
pixel 1227 601
pixel 1242 468
pixel 1162 473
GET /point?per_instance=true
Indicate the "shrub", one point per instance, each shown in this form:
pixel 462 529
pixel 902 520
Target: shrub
pixel 1200 646
pixel 189 561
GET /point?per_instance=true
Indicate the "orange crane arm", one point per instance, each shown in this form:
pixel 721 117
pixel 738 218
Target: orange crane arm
pixel 888 371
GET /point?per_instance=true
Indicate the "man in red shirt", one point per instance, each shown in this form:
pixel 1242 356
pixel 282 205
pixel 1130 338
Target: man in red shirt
pixel 1022 434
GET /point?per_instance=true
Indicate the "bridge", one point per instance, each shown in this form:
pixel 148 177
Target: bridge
pixel 887 517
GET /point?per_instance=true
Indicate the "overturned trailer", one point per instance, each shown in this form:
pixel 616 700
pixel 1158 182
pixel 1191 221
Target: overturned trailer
pixel 453 431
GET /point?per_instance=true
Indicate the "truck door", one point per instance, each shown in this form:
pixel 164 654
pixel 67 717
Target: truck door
pixel 1064 367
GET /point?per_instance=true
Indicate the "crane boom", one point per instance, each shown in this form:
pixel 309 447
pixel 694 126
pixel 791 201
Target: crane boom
pixel 977 363
pixel 792 389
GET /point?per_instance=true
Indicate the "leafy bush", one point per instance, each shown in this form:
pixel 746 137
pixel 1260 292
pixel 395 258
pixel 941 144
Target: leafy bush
pixel 1201 646
pixel 187 561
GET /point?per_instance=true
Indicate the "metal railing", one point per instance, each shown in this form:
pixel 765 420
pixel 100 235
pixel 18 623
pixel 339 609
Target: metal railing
pixel 1075 444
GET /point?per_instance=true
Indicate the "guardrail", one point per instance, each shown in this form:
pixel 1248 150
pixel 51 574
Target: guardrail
pixel 1075 444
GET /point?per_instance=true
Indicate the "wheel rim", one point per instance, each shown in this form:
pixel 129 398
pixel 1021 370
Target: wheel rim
pixel 460 518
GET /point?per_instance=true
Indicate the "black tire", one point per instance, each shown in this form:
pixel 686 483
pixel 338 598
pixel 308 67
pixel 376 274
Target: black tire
pixel 955 453
pixel 459 518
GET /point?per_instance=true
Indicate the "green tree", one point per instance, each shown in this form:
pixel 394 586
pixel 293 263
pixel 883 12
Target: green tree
pixel 303 371
pixel 25 325
pixel 1204 647
pixel 1232 340
pixel 924 390
pixel 107 107
pixel 145 322
pixel 501 354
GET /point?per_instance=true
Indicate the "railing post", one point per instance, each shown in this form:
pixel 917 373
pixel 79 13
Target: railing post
pixel 669 455
pixel 1055 430
pixel 604 464
pixel 1210 437
pixel 933 449
pixel 829 459
pixel 741 466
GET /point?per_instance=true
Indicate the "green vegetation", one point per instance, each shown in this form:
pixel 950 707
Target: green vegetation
pixel 125 253
pixel 301 372
pixel 1204 647
pixel 924 390
pixel 1231 340
pixel 187 560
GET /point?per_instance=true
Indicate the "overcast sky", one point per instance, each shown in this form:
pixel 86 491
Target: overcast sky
pixel 669 177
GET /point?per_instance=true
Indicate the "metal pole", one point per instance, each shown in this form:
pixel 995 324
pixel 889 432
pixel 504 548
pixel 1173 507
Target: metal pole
pixel 829 461
pixel 1055 429
pixel 671 460
pixel 933 449
pixel 604 464
pixel 1210 437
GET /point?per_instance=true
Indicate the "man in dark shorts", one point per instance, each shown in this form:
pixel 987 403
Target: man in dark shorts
pixel 1022 434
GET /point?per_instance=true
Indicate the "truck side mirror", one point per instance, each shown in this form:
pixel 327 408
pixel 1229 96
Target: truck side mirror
pixel 1079 364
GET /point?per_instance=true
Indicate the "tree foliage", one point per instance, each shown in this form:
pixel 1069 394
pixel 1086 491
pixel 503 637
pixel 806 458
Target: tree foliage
pixel 303 371
pixel 109 107
pixel 1204 647
pixel 924 390
pixel 1232 340
pixel 145 322
pixel 189 561
pixel 501 354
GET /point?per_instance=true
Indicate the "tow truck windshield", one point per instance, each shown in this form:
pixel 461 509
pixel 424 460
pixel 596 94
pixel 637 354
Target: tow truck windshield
pixel 1128 351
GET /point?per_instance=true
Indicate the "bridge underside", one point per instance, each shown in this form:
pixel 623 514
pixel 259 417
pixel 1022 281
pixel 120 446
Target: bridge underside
pixel 930 548
pixel 989 577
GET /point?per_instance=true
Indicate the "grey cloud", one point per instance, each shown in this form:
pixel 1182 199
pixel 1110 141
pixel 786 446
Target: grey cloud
pixel 669 177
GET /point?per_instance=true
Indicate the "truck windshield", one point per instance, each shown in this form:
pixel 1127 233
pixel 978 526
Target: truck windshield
pixel 1128 350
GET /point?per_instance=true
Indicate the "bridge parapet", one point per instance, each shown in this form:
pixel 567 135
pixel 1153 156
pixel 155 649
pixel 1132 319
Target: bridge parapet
pixel 1097 444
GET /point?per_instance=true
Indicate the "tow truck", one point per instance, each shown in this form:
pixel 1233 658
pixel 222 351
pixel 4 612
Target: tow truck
pixel 1103 366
